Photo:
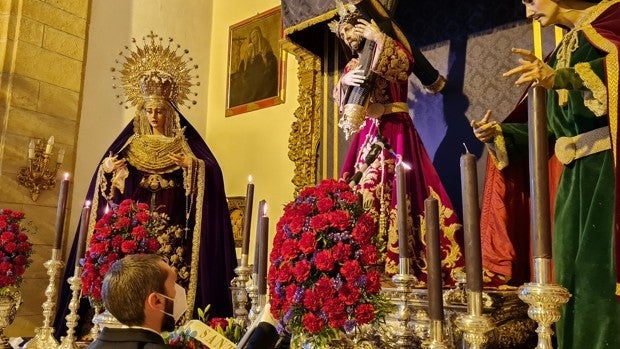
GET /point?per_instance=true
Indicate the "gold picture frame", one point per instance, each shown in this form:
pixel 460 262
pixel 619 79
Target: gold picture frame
pixel 256 63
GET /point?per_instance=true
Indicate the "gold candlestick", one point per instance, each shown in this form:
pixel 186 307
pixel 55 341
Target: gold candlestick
pixel 545 300
pixel 75 281
pixel 44 338
pixel 473 324
pixel 404 281
pixel 436 339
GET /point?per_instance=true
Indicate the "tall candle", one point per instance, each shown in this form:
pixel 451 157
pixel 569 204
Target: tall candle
pixel 539 176
pixel 60 211
pixel 401 197
pixel 433 259
pixel 261 208
pixel 471 222
pixel 247 216
pixel 81 246
pixel 262 261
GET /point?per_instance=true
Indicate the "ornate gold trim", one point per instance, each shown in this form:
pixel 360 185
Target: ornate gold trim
pixel 597 104
pixel 306 129
pixel 498 150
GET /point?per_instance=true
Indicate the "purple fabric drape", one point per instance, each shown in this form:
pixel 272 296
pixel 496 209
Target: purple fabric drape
pixel 217 257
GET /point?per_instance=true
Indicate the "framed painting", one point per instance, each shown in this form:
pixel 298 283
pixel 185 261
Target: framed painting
pixel 256 63
pixel 236 209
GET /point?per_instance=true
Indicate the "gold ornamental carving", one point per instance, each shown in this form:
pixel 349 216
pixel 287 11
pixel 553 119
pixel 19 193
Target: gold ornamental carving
pixel 306 129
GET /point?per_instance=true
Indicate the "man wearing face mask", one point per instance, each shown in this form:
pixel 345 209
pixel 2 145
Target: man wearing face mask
pixel 141 292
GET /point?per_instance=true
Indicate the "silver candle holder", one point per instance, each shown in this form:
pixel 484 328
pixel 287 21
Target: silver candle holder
pixel 404 281
pixel 474 324
pixel 252 291
pixel 239 292
pixel 544 300
pixel 44 338
pixel 68 342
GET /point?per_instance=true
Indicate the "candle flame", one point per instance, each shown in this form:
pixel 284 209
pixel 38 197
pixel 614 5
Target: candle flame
pixel 405 166
pixel 107 208
pixel 265 209
pixel 250 178
pixel 66 176
pixel 87 203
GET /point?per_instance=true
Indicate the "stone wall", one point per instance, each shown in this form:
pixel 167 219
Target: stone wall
pixel 42 50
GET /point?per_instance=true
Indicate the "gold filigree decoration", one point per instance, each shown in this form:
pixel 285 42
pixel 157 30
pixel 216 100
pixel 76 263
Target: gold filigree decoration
pixel 598 104
pixel 306 129
pixel 136 63
pixel 393 64
pixel 149 153
pixel 498 150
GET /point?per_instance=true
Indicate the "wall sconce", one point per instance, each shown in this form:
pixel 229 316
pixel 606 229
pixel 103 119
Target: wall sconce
pixel 40 174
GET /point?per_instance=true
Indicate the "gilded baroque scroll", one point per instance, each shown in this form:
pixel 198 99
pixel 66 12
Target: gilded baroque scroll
pixel 306 129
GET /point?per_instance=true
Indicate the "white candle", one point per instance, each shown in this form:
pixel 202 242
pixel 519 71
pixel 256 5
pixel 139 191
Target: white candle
pixel 61 156
pixel 31 149
pixel 49 146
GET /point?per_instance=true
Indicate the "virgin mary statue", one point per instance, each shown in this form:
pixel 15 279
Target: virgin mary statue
pixel 159 159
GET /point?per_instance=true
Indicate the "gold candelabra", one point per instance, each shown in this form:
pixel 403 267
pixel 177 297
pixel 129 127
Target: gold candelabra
pixel 40 174
pixel 474 324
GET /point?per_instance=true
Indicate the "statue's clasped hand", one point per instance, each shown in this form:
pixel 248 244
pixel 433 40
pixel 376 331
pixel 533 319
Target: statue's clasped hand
pixel 533 70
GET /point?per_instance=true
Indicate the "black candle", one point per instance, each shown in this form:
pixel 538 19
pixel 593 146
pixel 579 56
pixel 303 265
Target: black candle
pixel 247 217
pixel 81 246
pixel 262 259
pixel 261 209
pixel 60 212
pixel 471 222
pixel 433 260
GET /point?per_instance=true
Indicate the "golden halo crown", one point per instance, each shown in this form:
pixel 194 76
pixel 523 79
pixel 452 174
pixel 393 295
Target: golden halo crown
pixel 154 71
pixel 347 13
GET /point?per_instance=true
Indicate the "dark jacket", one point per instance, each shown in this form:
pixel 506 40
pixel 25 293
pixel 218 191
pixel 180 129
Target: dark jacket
pixel 128 338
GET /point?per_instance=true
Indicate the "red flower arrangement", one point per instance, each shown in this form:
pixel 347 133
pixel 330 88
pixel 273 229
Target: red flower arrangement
pixel 324 274
pixel 128 228
pixel 15 249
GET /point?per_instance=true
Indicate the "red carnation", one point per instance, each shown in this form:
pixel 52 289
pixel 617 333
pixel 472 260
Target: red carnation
pixel 364 313
pixel 139 232
pixel 285 273
pixel 341 252
pixel 129 247
pixel 289 249
pixel 325 204
pixel 324 261
pixel 218 322
pixel 373 281
pixel 370 255
pixel 301 270
pixel 313 323
pixel 319 222
pixel 348 294
pixel 297 224
pixel 351 270
pixel 10 247
pixel 6 237
pixel 324 287
pixel 307 243
pixel 311 300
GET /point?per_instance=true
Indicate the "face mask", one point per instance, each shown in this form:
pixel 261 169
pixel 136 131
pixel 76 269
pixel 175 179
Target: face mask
pixel 179 305
pixel 168 322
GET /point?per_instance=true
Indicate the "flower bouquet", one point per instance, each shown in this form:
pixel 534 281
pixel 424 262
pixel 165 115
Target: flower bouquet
pixel 128 228
pixel 15 250
pixel 324 277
